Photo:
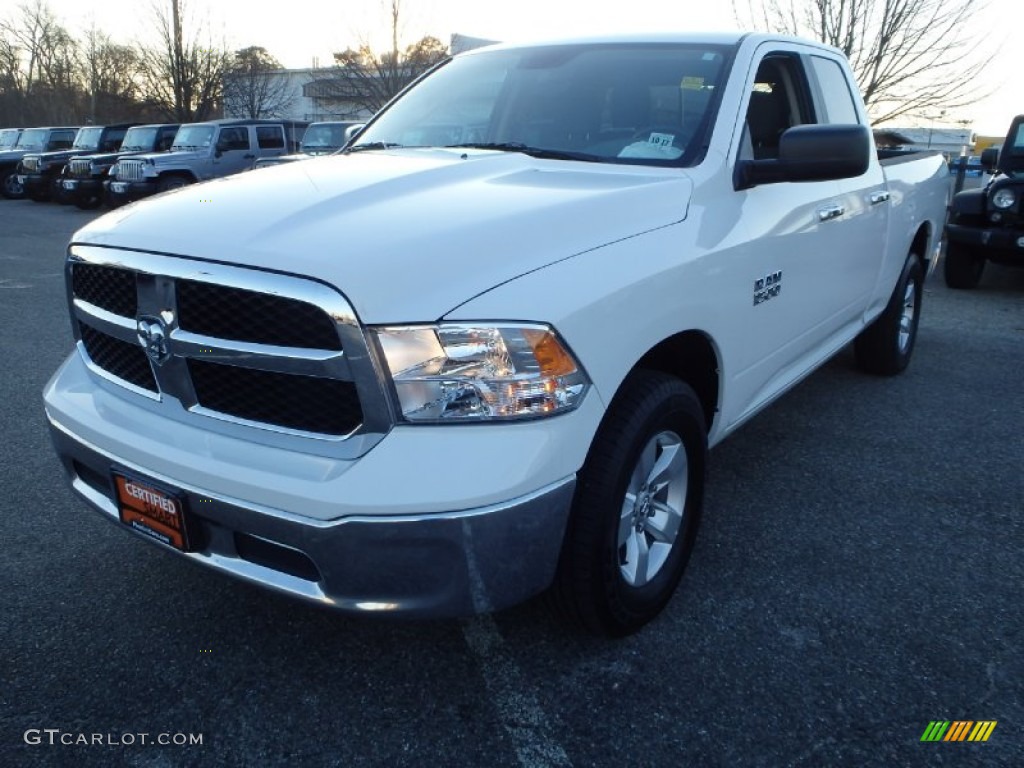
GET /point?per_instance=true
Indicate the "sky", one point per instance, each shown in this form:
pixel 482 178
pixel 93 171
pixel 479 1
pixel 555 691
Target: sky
pixel 300 32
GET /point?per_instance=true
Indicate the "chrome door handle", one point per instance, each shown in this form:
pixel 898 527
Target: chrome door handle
pixel 878 197
pixel 830 212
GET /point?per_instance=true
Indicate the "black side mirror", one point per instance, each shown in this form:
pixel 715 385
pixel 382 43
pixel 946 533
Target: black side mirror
pixel 811 153
pixel 990 159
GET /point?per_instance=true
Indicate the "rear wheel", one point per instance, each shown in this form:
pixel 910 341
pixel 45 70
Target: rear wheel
pixel 885 346
pixel 963 267
pixel 637 507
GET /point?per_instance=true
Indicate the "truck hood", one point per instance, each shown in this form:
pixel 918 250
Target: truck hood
pixel 177 157
pixel 406 235
pixel 63 155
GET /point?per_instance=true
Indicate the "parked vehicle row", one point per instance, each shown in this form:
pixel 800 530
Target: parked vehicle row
pixel 30 140
pixel 116 164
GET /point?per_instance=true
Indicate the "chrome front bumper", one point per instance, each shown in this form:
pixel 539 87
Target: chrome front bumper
pixel 430 565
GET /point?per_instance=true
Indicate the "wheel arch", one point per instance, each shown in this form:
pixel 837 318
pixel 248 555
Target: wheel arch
pixel 919 245
pixel 692 357
pixel 183 173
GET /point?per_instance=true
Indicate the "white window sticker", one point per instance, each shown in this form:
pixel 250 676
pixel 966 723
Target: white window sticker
pixel 661 139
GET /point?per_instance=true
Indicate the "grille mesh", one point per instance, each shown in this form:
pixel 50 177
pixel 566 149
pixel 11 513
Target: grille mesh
pixel 306 403
pixel 126 361
pixel 261 318
pixel 107 288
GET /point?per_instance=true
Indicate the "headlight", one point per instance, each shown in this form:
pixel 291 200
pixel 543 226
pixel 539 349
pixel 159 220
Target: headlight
pixel 112 171
pixel 469 372
pixel 1004 198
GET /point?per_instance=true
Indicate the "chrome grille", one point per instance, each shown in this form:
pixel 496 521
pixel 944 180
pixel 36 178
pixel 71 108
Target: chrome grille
pixel 130 170
pixel 80 167
pixel 30 163
pixel 274 358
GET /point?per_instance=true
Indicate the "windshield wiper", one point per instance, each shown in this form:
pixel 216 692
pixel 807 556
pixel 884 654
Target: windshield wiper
pixel 526 149
pixel 372 146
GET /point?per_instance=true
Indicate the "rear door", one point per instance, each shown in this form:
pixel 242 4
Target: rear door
pixel 234 151
pixel 861 233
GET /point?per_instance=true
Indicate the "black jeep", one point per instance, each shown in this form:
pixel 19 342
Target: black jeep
pixel 42 174
pixel 988 224
pixel 84 176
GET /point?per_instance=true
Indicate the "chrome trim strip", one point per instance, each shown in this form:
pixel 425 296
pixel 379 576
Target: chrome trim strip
pixel 263 357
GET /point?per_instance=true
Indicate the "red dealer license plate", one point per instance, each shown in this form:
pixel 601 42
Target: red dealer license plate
pixel 152 511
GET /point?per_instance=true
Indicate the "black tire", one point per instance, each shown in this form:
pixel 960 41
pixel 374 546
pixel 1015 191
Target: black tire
pixel 111 201
pixel 88 203
pixel 884 347
pixel 10 188
pixel 962 267
pixel 167 183
pixel 41 193
pixel 593 586
pixel 57 192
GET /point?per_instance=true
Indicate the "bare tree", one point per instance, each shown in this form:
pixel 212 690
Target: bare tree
pixel 38 66
pixel 182 76
pixel 910 57
pixel 108 72
pixel 365 80
pixel 255 87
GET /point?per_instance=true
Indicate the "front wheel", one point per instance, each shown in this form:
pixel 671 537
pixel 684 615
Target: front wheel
pixel 10 188
pixel 90 203
pixel 885 346
pixel 962 267
pixel 637 507
pixel 167 183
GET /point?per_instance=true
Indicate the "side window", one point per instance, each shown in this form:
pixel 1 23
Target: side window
pixel 112 141
pixel 233 138
pixel 779 100
pixel 835 91
pixel 61 140
pixel 270 137
pixel 166 139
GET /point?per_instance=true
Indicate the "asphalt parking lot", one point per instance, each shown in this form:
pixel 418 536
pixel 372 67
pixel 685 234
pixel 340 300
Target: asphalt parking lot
pixel 858 575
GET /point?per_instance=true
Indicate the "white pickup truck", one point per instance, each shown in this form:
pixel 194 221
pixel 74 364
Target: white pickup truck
pixel 483 352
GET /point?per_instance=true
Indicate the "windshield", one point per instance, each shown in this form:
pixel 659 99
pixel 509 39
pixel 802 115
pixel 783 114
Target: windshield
pixel 138 139
pixel 650 104
pixel 33 140
pixel 88 138
pixel 324 138
pixel 8 138
pixel 1011 159
pixel 193 137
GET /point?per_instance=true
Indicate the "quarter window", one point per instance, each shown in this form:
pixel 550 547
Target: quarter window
pixel 835 91
pixel 233 138
pixel 270 137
